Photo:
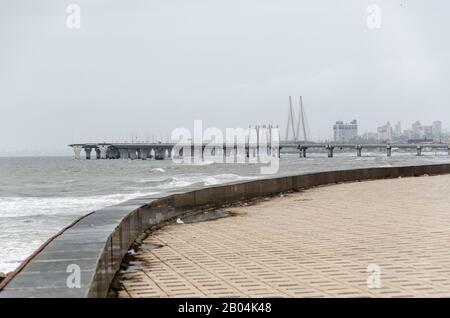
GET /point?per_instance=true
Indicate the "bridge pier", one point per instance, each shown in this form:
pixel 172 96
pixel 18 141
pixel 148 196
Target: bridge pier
pixel 124 154
pixel 88 153
pixel 103 151
pixel 112 153
pixel 419 151
pixel 330 151
pixel 143 153
pixel 133 154
pixel 302 153
pixel 77 151
pixel 389 151
pixel 159 153
pixel 359 151
pixel 226 152
pixel 180 153
pixel 97 153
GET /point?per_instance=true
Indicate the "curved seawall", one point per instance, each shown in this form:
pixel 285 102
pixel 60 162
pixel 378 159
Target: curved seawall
pixel 92 247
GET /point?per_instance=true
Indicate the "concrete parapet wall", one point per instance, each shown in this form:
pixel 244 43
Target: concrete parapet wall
pixel 97 243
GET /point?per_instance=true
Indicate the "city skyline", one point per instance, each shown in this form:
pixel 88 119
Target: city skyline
pixel 349 131
pixel 372 134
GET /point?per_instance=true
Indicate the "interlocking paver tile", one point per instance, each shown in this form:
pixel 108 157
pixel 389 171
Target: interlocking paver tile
pixel 315 243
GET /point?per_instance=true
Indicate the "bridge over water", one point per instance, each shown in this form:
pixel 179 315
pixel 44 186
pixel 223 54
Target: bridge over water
pixel 418 147
pixel 161 151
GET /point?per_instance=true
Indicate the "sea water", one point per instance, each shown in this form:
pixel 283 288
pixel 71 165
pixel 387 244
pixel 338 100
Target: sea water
pixel 41 195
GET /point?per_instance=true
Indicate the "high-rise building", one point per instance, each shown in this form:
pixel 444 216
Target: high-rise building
pixel 345 132
pixel 398 129
pixel 385 132
pixel 417 130
pixel 437 129
pixel 428 132
pixel 369 136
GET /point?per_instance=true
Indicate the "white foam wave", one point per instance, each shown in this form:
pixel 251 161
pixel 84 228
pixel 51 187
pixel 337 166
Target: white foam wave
pixel 26 206
pixel 157 170
pixel 224 178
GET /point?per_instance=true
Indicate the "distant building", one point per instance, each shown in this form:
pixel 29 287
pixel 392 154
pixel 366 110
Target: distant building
pixel 437 129
pixel 430 132
pixel 345 132
pixel 398 129
pixel 385 132
pixel 369 136
pixel 408 133
pixel 417 130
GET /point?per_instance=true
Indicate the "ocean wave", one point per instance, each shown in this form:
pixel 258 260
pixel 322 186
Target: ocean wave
pixel 28 206
pixel 7 267
pixel 224 178
pixel 192 179
pixel 157 170
pixel 154 182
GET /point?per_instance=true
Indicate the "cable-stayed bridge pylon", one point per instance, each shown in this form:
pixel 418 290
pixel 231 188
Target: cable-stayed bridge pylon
pixel 297 128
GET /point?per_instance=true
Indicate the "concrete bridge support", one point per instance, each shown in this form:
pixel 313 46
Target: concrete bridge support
pixel 97 153
pixel 123 153
pixel 160 153
pixel 144 153
pixel 103 151
pixel 359 151
pixel 133 154
pixel 330 151
pixel 389 151
pixel 77 151
pixel 180 153
pixel 228 151
pixel 112 153
pixel 88 153
pixel 278 152
pixel 419 151
pixel 302 153
pixel 168 153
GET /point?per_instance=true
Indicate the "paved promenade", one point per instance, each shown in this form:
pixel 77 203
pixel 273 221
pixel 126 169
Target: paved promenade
pixel 316 243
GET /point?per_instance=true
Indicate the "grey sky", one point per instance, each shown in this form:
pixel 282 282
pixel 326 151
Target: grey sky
pixel 146 67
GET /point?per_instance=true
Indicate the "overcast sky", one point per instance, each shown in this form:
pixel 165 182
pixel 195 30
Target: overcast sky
pixel 146 67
